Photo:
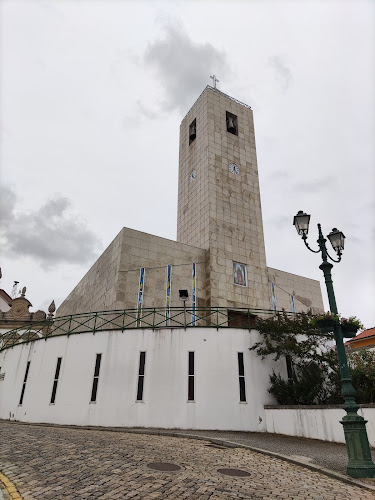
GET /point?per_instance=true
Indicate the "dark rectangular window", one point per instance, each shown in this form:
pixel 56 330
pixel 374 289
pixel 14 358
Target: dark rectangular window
pixel 55 380
pixel 96 378
pixel 141 375
pixel 241 375
pixel 289 366
pixel 191 377
pixel 193 131
pixel 24 382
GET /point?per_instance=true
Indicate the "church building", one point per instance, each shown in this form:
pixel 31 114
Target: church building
pixel 219 256
pixel 158 333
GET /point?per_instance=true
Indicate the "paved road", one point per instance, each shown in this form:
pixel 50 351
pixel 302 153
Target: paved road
pixel 66 463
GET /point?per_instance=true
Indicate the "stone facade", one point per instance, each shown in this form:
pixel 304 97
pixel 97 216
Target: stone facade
pixel 113 281
pixel 305 292
pixel 219 228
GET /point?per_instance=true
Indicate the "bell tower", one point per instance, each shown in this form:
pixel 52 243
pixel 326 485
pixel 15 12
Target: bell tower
pixel 219 206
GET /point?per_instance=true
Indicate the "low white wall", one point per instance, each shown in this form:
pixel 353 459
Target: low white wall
pixel 217 401
pixel 315 422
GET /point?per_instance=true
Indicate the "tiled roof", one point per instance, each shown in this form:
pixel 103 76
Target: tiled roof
pixel 370 332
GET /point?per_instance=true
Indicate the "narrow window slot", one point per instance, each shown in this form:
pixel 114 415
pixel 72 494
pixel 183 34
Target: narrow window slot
pixel 191 377
pixel 141 375
pixel 96 378
pixel 241 375
pixel 55 380
pixel 24 382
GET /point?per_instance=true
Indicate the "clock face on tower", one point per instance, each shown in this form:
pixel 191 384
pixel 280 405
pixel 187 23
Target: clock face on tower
pixel 193 175
pixel 234 168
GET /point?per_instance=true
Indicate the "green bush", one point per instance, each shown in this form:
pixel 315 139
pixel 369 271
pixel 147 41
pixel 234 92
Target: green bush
pixel 362 368
pixel 315 376
pixel 306 388
pixel 309 385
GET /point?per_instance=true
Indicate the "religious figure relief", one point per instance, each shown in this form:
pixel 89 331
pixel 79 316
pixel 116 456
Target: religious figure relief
pixel 239 274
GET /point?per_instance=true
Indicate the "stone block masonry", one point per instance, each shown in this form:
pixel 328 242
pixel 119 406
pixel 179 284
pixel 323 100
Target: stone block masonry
pixel 113 281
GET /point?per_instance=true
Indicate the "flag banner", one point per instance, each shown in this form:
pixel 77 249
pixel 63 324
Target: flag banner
pixel 292 300
pixel 273 297
pixel 168 301
pixel 140 295
pixel 193 302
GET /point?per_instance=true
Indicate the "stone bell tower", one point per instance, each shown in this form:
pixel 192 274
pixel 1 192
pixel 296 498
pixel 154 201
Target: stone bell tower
pixel 219 205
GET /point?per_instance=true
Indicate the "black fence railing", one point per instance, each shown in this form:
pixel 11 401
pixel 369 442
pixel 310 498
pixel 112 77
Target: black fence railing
pixel 152 318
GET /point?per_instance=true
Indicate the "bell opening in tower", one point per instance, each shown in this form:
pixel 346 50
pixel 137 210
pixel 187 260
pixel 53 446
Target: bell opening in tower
pixel 231 120
pixel 192 131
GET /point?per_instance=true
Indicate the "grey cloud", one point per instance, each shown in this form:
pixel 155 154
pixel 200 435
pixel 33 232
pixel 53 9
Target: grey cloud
pixel 146 112
pixel 48 235
pixel 183 67
pixel 282 73
pixel 55 207
pixel 7 206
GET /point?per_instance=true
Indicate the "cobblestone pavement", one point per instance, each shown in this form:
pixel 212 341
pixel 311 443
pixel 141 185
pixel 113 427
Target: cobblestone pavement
pixel 67 463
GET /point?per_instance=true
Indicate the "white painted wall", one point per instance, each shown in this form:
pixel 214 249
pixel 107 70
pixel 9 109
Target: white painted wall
pixel 315 423
pixel 165 402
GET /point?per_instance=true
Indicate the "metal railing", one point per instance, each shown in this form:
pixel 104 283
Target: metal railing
pixel 152 318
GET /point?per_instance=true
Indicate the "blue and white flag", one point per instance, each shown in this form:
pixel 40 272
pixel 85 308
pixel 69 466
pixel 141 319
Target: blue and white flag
pixel 168 301
pixel 194 294
pixel 273 297
pixel 140 295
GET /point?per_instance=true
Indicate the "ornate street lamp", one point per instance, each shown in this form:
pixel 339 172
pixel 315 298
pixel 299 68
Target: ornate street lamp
pixel 360 463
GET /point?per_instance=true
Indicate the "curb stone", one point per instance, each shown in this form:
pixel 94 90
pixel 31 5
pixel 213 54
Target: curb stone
pixel 221 442
pixel 10 489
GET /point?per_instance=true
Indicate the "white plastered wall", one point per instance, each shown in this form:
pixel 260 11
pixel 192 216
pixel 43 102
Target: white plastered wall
pixel 165 404
pixel 315 423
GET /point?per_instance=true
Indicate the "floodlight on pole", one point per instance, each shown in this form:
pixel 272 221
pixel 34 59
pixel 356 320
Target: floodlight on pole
pixel 184 295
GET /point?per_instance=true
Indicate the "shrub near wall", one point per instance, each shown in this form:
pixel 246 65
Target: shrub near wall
pixel 313 369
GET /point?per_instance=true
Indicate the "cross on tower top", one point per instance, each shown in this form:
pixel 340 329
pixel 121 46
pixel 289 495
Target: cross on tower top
pixel 214 80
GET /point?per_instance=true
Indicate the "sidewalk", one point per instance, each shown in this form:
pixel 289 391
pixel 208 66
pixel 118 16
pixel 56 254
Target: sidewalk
pixel 329 455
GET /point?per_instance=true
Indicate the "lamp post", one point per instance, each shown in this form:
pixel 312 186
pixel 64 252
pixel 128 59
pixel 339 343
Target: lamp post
pixel 184 295
pixel 360 463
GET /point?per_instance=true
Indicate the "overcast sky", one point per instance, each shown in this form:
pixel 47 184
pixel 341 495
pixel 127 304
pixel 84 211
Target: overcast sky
pixel 92 96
